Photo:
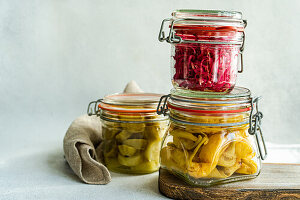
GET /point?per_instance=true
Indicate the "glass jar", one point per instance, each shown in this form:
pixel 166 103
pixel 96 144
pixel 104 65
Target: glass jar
pixel 132 132
pixel 206 47
pixel 212 139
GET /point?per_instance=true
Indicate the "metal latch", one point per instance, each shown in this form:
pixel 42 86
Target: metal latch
pixel 255 128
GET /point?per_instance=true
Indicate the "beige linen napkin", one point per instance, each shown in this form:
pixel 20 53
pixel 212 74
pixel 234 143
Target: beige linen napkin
pixel 83 149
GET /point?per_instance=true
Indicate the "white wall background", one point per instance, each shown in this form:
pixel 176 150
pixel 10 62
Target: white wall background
pixel 58 55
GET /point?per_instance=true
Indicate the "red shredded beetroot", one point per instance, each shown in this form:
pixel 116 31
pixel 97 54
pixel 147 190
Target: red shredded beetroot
pixel 205 67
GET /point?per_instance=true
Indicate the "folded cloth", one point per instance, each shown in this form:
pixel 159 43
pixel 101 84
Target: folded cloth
pixel 83 146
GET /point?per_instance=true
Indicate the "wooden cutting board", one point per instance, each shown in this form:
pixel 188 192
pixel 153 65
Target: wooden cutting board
pixel 276 181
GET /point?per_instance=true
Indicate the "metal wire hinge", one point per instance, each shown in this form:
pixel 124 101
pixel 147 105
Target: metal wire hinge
pixel 242 48
pixel 172 38
pixel 255 128
pixel 96 110
pixel 162 107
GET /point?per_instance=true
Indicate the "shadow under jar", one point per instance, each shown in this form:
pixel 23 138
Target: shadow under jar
pixel 213 139
pixel 132 132
pixel 206 48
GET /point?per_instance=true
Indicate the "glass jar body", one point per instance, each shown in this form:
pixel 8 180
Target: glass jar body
pixel 132 143
pixel 204 67
pixel 206 48
pixel 206 155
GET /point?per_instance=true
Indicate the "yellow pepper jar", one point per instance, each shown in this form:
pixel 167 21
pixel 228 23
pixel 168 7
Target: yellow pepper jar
pixel 132 131
pixel 212 138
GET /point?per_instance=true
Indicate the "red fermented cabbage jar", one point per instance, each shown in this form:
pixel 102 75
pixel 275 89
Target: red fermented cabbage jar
pixel 206 50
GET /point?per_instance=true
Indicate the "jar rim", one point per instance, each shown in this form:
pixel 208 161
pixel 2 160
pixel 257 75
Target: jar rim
pixel 130 102
pixel 236 92
pixel 204 26
pixel 186 13
pixel 236 101
pixel 205 111
pixel 208 27
pixel 178 121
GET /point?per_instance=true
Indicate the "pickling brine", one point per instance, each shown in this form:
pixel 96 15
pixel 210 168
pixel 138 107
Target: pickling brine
pixel 133 147
pixel 198 152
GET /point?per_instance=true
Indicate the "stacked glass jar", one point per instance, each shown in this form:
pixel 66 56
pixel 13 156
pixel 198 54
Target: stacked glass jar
pixel 214 135
pixel 132 131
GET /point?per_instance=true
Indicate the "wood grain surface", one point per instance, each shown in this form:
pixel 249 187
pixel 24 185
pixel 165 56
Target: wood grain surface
pixel 276 181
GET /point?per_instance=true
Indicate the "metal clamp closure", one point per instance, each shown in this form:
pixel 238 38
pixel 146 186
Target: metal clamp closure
pixel 255 128
pixel 162 107
pixel 172 38
pixel 242 48
pixel 96 110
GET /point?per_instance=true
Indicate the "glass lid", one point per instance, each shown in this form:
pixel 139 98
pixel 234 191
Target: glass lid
pixel 189 13
pixel 132 98
pixel 217 19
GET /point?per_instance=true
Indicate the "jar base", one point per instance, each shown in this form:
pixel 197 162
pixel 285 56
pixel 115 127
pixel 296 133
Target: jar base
pixel 143 168
pixel 209 181
pixel 129 171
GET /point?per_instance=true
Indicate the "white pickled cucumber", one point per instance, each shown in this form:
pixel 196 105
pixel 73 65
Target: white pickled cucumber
pixel 224 172
pixel 215 173
pixel 228 157
pixel 123 135
pixel 126 150
pixel 110 149
pixel 137 135
pixel 154 132
pixel 134 127
pixel 136 143
pixel 130 161
pixel 135 117
pixel 109 133
pixel 146 167
pixel 248 167
pixel 112 163
pixel 183 143
pixel 183 134
pixel 152 151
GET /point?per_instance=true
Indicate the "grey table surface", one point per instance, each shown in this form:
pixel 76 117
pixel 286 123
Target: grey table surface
pixel 41 172
pixel 32 166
